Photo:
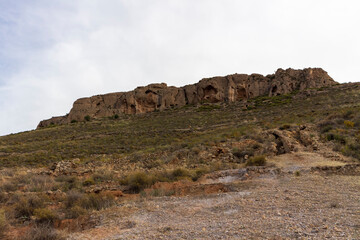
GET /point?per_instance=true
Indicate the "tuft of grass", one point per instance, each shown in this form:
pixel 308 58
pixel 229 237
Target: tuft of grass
pixel 256 161
pixel 349 124
pixel 75 212
pixel 45 215
pixel 88 182
pixel 96 201
pixel 138 181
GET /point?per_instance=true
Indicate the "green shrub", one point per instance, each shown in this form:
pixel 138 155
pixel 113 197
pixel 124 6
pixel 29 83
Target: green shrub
pixel 256 161
pixel 26 206
pixel 73 121
pixel 87 118
pixel 89 182
pixel 199 173
pixel 337 137
pixel 241 153
pixel 45 215
pixel 75 199
pixel 326 129
pixel 180 173
pixel 349 124
pixel 138 181
pixel 75 212
pixel 68 182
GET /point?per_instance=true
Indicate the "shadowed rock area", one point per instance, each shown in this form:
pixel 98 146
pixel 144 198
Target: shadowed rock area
pixel 158 97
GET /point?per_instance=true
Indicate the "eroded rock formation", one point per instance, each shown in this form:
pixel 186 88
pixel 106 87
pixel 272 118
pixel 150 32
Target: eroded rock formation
pixel 230 88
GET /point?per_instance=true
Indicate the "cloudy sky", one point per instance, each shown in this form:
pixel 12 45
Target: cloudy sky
pixel 53 52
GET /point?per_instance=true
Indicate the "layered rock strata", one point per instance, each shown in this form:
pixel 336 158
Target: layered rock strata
pixel 230 88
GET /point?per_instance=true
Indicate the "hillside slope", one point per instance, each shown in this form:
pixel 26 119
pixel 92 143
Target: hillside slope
pixel 186 127
pixel 271 167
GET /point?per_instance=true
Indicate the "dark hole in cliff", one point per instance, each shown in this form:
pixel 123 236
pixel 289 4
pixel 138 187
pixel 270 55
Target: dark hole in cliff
pixel 133 109
pixel 149 91
pixel 274 89
pixel 209 93
pixel 241 93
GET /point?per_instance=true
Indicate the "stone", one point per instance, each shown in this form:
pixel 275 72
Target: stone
pixel 158 97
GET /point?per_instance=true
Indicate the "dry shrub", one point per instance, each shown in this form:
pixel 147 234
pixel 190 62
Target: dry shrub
pixel 43 232
pixel 40 183
pixel 138 181
pixel 26 205
pixel 45 215
pixel 75 212
pixel 256 161
pixel 349 124
pixel 96 201
pixel 77 203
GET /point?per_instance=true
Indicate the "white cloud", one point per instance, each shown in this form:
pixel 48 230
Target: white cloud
pixel 62 50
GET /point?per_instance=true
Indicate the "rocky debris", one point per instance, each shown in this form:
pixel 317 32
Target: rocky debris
pixel 70 167
pixel 348 169
pixel 58 194
pixel 241 174
pixel 230 88
pixel 185 188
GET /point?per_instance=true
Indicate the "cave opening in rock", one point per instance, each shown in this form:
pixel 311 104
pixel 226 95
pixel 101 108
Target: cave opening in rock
pixel 210 93
pixel 241 93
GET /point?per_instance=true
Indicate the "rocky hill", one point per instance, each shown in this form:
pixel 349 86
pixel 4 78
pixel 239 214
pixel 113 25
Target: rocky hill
pixel 230 88
pixel 267 167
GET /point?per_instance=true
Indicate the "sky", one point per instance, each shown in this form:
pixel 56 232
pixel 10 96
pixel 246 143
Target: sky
pixel 54 52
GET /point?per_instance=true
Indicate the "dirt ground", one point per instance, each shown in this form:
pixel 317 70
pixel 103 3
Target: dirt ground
pixel 289 200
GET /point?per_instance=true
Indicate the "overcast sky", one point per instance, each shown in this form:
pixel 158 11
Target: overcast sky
pixel 53 52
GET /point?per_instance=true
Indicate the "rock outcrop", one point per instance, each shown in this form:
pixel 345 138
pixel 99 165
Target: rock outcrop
pixel 230 88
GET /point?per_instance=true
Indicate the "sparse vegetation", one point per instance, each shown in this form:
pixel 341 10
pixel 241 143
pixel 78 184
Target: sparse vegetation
pixel 45 215
pixel 256 161
pixel 135 152
pixel 43 232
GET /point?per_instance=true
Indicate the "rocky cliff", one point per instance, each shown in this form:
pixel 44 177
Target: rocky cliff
pixel 230 88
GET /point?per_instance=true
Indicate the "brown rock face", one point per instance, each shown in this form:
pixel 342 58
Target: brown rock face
pixel 230 88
